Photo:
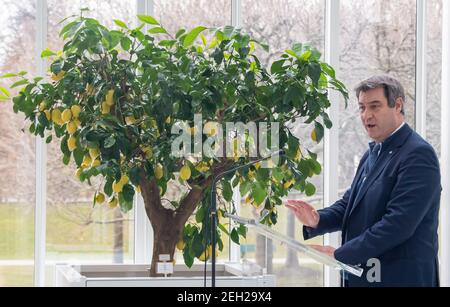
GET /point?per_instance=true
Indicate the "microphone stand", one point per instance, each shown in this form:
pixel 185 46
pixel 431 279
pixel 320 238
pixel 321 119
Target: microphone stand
pixel 214 209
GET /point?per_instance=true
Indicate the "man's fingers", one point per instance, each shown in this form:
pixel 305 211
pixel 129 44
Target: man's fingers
pixel 299 203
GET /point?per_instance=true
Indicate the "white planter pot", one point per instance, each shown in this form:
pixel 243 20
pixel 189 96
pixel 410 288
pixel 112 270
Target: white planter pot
pixel 125 275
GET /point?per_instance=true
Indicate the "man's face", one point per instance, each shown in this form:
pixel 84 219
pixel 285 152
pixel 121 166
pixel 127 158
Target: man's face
pixel 377 117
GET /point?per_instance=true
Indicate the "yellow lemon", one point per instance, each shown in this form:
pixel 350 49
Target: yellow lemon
pixel 78 172
pixel 124 180
pixel 109 98
pixel 76 110
pixel 185 172
pixel 48 115
pixel 71 127
pixel 105 108
pixel 94 153
pixel 202 167
pixel 77 122
pixel 72 143
pixel 89 89
pixel 100 198
pixel 168 119
pixel 180 245
pixel 56 116
pixel 130 120
pixel 58 76
pixel 298 155
pixel 314 135
pixel 42 106
pixel 288 184
pixel 66 116
pixel 257 165
pixel 113 203
pixel 117 187
pixel 159 171
pixel 211 128
pixel 96 163
pixel 87 161
pixel 148 151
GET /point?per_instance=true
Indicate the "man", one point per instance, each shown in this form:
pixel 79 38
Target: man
pixel 390 212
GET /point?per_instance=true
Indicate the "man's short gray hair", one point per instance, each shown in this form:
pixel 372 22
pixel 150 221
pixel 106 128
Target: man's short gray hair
pixel 392 88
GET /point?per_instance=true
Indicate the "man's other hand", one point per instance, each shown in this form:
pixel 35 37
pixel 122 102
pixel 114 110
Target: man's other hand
pixel 327 250
pixel 304 212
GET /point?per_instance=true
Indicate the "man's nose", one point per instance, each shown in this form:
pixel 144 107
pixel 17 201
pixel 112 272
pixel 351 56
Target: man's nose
pixel 366 114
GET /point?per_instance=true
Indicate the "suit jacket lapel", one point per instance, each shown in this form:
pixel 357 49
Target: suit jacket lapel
pixel 387 153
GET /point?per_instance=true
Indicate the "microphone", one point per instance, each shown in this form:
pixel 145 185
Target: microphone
pixel 213 208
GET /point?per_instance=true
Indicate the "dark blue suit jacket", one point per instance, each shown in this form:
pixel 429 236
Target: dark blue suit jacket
pixel 393 218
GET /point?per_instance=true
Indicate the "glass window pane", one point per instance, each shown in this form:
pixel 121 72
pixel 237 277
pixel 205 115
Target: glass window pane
pixel 188 14
pixel 17 150
pixel 174 15
pixel 382 42
pixel 280 24
pixel 434 72
pixel 75 230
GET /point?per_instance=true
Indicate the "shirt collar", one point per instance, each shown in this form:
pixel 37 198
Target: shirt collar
pixel 388 140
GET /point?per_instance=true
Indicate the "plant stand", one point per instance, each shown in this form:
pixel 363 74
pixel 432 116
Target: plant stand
pixel 126 275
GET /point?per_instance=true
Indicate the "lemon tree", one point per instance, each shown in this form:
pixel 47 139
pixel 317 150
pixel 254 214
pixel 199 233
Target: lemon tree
pixel 114 94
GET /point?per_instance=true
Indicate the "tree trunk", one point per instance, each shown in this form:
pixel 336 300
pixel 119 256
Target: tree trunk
pixel 165 239
pixel 168 224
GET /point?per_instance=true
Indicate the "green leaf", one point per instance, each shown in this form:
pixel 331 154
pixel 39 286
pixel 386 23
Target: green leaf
pixel 259 193
pixel 223 229
pixel 10 75
pixel 128 192
pixel 148 19
pixel 292 53
pixel 157 30
pixel 108 186
pixel 125 42
pixel 191 36
pixel 200 214
pixel 293 145
pixel 227 191
pixel 245 187
pixel 5 91
pixel 19 83
pixel 110 141
pixel 319 131
pixel 277 66
pixel 78 155
pixel 66 159
pixel 314 72
pixel 49 139
pixel 278 174
pixel 47 53
pixel 234 235
pixel 134 174
pixel 188 258
pixel 326 120
pixel 242 230
pixel 310 189
pixel 120 23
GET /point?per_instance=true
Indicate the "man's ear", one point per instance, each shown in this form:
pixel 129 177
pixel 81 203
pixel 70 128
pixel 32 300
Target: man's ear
pixel 399 104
